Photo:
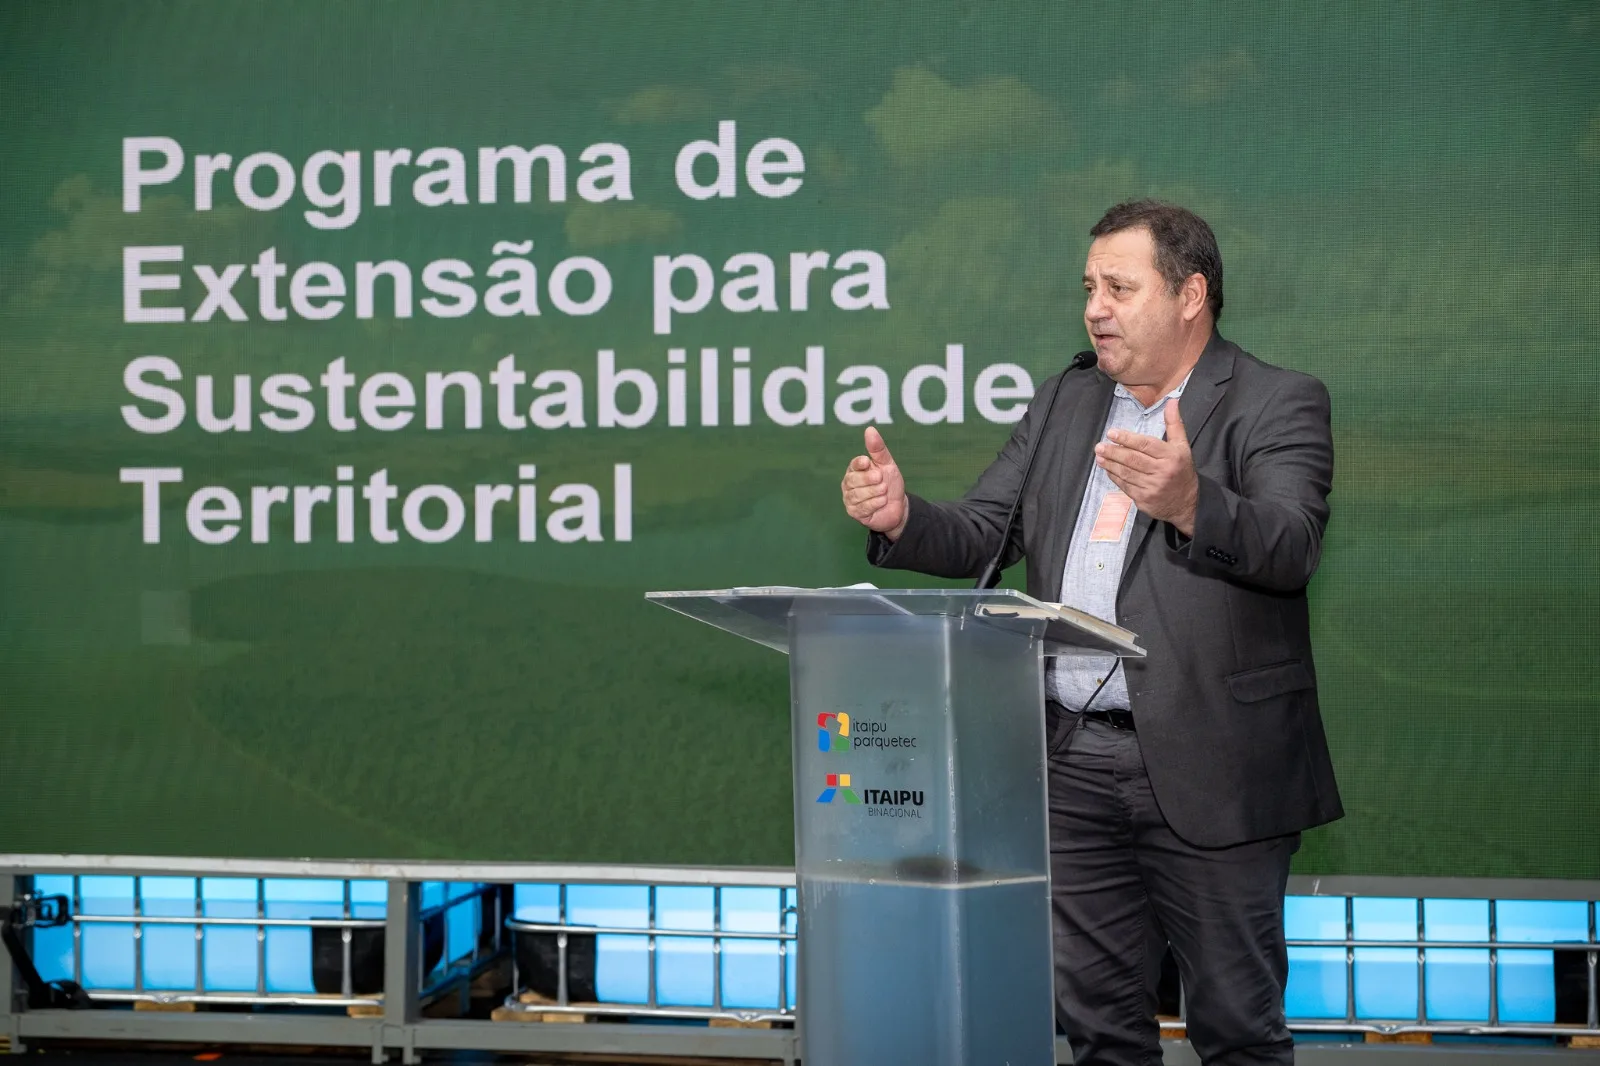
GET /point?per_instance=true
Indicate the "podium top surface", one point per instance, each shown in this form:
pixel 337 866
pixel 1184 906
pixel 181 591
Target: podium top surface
pixel 762 613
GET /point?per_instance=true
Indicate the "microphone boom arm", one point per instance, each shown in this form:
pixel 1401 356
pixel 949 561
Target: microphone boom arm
pixel 990 577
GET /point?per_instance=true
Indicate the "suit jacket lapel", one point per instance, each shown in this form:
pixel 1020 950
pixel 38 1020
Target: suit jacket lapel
pixel 1207 385
pixel 1065 457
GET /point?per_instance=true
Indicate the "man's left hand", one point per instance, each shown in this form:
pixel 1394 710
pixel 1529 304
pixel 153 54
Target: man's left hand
pixel 1158 475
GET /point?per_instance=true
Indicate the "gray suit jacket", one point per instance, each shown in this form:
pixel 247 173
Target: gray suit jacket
pixel 1226 701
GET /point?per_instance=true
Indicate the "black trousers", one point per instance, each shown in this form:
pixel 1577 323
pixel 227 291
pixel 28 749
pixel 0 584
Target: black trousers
pixel 1123 886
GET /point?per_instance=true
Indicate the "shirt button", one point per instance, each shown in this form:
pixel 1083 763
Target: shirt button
pixel 1099 566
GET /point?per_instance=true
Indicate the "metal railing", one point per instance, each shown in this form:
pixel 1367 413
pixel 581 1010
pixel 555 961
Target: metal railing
pixel 451 971
pixel 1352 1022
pixel 1492 944
pixel 651 934
pixel 402 1029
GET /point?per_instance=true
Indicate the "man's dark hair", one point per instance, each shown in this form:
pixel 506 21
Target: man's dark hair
pixel 1185 245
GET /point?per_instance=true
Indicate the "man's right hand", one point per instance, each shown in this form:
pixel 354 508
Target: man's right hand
pixel 874 492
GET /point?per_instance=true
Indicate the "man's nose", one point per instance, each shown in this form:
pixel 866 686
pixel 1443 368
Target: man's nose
pixel 1095 309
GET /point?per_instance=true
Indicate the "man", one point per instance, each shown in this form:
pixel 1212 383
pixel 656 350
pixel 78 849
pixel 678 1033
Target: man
pixel 1180 490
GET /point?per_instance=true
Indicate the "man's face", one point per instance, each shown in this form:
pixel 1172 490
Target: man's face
pixel 1134 322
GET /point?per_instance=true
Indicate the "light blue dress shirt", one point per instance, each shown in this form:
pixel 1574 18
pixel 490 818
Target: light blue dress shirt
pixel 1093 569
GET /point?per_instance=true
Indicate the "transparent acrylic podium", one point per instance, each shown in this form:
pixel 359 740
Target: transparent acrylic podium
pixel 921 846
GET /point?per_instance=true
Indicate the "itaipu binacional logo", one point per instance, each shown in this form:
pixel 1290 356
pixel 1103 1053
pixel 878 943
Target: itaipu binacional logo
pixel 833 732
pixel 838 784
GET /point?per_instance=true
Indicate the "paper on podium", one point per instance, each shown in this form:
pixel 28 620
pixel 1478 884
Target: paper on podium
pixel 1049 612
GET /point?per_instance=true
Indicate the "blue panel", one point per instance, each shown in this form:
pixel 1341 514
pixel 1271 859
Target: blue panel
pixel 430 895
pixel 229 897
pixel 1313 917
pixel 679 907
pixel 108 957
pixel 52 948
pixel 794 982
pixel 105 895
pixel 750 967
pixel 1317 978
pixel 53 885
pixel 536 903
pixel 1386 978
pixel 626 905
pixel 751 910
pixel 1527 983
pixel 683 972
pixel 1458 978
pixel 289 961
pixel 230 951
pixel 461 921
pixel 168 897
pixel 1458 985
pixel 1317 986
pixel 1541 921
pixel 52 953
pixel 369 899
pixel 169 950
pixel 230 959
pixel 750 973
pixel 289 949
pixel 1455 919
pixel 300 897
pixel 107 949
pixel 622 906
pixel 622 969
pixel 169 958
pixel 684 965
pixel 791 923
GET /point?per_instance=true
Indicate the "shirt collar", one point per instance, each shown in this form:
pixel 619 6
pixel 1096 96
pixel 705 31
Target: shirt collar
pixel 1123 393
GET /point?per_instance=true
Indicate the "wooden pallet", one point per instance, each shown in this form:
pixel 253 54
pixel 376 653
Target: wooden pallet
pixel 521 1013
pixel 493 981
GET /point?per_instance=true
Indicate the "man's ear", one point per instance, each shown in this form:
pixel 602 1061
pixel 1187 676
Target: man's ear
pixel 1192 295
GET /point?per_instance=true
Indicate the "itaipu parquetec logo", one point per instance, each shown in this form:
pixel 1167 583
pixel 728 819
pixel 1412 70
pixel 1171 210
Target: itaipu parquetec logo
pixel 838 785
pixel 833 733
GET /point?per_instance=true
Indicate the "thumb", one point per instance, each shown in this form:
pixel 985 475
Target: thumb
pixel 877 451
pixel 1175 430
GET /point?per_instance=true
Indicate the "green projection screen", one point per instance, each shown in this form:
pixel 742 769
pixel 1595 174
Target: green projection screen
pixel 362 365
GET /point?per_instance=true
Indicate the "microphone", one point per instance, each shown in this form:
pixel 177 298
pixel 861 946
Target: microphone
pixel 991 573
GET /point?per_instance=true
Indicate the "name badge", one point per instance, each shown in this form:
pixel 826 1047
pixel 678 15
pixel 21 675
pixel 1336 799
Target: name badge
pixel 1113 516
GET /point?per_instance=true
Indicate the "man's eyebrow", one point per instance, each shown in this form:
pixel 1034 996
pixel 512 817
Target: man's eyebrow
pixel 1110 275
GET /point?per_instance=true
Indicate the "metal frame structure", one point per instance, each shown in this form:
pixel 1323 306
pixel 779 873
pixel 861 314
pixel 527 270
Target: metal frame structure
pixel 401 1027
pixel 652 932
pixel 1493 891
pixel 1494 946
pixel 456 971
